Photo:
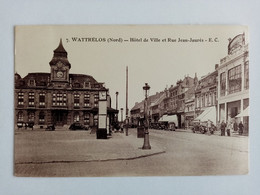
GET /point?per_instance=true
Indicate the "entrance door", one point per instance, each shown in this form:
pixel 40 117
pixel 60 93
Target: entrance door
pixel 59 117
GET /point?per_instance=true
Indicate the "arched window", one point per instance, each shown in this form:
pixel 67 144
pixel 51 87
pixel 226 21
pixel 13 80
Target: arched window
pixel 20 116
pixel 95 120
pixel 31 116
pixel 86 118
pixel 41 117
pixel 76 117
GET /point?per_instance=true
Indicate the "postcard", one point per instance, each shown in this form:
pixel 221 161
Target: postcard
pixel 131 100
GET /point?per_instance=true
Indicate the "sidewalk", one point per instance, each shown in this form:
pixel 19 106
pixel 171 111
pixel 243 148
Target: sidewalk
pixel 233 134
pixel 38 147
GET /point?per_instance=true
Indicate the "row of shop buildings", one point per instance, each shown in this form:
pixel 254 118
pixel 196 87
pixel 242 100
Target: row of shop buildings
pixel 58 97
pixel 221 95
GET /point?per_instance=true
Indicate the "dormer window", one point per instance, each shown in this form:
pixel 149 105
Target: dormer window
pixel 31 82
pixel 76 85
pixel 87 84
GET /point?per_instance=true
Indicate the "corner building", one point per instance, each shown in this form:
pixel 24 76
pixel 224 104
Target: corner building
pixel 58 97
pixel 233 85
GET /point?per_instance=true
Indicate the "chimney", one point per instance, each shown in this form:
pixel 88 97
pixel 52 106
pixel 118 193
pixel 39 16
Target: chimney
pixel 216 66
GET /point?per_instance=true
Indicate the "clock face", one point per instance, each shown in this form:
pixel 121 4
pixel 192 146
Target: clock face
pixel 59 74
pixel 102 95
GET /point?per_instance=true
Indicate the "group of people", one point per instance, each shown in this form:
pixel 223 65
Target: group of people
pixel 231 126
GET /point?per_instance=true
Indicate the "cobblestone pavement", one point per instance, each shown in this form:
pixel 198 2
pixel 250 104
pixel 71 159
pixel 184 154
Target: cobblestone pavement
pixel 79 153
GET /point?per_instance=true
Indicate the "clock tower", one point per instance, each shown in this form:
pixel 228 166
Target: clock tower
pixel 60 66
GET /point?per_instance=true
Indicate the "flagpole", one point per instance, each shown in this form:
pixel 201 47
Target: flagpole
pixel 126 114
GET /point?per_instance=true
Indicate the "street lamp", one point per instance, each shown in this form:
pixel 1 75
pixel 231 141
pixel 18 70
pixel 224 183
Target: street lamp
pixel 117 105
pixel 122 114
pixel 146 145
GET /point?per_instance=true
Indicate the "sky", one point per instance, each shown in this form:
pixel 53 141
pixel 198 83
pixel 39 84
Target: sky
pixel 155 54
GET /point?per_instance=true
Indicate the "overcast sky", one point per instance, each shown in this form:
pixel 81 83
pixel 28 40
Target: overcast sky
pixel 160 64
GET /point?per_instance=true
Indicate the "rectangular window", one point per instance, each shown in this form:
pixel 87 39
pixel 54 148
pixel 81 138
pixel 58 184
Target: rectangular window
pixel 215 98
pixel 31 99
pixel 86 100
pixel 59 99
pixel 234 79
pixel 20 98
pixel 246 72
pixel 76 100
pixel 42 99
pixel 96 97
pixel 223 84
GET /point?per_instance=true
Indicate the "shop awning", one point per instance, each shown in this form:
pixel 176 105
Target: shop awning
pixel 169 119
pixel 208 114
pixel 243 113
pixel 163 118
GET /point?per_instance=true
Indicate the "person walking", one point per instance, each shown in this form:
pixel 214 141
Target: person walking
pixel 223 128
pixel 235 126
pixel 241 128
pixel 208 126
pixel 229 127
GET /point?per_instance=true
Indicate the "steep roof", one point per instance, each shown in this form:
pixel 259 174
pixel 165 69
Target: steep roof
pixel 42 80
pixel 139 105
pixel 60 54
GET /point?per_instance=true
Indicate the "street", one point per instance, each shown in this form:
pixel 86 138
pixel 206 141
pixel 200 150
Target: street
pixel 185 153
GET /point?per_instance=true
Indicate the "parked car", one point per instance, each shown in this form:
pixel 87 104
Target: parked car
pixel 50 128
pixel 199 127
pixel 78 126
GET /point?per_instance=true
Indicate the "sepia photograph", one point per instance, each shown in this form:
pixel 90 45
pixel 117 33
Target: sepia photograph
pixel 131 100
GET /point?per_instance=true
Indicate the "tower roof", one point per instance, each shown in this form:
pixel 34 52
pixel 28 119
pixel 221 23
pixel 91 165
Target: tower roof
pixel 60 49
pixel 60 54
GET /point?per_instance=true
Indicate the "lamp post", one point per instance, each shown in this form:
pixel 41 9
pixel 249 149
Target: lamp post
pixel 146 145
pixel 122 114
pixel 117 105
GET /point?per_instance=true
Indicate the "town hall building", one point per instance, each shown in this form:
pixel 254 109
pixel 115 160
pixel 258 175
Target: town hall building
pixel 58 97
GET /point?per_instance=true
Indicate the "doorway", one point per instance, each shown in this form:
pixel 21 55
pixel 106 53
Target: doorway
pixel 59 117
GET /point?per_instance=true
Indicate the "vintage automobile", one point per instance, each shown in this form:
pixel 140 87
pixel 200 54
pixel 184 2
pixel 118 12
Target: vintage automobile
pixel 199 127
pixel 50 128
pixel 202 127
pixel 78 126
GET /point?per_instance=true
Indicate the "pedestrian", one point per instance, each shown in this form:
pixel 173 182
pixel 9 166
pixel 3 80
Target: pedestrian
pixel 208 126
pixel 241 128
pixel 229 127
pixel 235 126
pixel 223 127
